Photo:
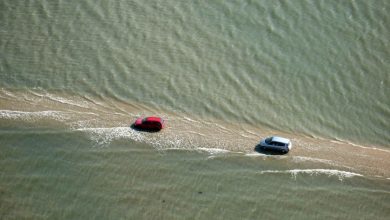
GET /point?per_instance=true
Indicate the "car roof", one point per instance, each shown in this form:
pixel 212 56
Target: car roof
pixel 280 140
pixel 153 118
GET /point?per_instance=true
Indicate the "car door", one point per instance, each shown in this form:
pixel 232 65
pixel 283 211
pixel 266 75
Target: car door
pixel 146 124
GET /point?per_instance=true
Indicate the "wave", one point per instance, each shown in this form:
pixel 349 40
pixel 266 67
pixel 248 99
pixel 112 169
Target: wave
pixel 190 119
pixel 360 146
pixel 264 156
pixel 63 100
pixel 213 151
pixel 32 116
pixel 311 159
pixel 300 159
pixel 329 172
pixel 255 154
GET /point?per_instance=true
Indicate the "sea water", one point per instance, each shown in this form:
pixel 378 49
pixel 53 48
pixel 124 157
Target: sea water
pixel 74 75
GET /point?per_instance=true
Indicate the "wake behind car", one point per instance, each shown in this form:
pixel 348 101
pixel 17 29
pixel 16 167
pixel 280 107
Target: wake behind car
pixel 276 144
pixel 151 123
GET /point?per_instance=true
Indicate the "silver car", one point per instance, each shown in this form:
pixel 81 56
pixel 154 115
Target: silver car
pixel 275 143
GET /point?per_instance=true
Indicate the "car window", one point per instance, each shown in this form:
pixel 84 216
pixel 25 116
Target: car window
pixel 276 143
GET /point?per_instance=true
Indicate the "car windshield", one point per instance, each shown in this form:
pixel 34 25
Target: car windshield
pixel 268 140
pixel 151 121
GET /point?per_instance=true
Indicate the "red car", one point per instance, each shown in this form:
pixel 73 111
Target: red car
pixel 149 123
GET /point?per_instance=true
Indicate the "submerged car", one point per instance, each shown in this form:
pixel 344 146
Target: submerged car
pixel 152 123
pixel 274 143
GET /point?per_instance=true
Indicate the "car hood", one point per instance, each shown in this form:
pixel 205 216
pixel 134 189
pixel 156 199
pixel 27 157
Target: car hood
pixel 138 121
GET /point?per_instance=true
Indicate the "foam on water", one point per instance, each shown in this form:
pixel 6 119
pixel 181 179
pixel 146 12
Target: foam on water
pixel 160 141
pixel 190 120
pixel 214 151
pixel 44 94
pixel 33 116
pixel 304 159
pixel 104 136
pixel 329 172
pixel 255 154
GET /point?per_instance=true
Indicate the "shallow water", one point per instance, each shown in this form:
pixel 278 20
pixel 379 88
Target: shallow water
pixel 55 174
pixel 74 76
